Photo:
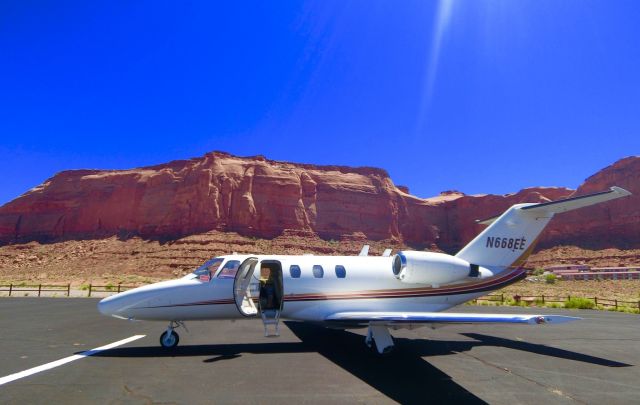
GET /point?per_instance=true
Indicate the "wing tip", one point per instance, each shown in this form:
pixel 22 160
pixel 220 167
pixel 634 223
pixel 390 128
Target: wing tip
pixel 621 191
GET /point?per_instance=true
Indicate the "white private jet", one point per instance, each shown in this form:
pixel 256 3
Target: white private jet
pixel 386 292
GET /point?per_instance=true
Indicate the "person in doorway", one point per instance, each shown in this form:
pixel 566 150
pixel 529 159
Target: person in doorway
pixel 267 289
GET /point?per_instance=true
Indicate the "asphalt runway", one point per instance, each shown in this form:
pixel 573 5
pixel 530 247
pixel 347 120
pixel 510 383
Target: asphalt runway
pixel 591 361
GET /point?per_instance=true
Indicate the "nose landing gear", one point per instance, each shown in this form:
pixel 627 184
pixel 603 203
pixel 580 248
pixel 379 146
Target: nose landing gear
pixel 169 338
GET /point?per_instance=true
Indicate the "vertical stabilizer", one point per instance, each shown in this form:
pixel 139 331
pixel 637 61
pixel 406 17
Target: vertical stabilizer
pixel 511 237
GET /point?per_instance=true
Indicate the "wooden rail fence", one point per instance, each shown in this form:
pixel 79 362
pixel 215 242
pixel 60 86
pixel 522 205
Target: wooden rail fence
pixel 66 289
pixel 543 299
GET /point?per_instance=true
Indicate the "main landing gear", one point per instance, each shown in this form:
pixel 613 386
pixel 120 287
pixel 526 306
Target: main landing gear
pixel 379 334
pixel 169 338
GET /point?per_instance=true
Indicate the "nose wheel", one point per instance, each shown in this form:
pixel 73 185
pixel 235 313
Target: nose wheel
pixel 170 338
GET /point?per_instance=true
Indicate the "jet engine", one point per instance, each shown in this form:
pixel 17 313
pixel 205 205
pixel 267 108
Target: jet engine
pixel 432 268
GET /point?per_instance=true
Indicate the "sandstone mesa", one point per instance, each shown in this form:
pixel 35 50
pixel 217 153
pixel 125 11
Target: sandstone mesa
pixel 254 196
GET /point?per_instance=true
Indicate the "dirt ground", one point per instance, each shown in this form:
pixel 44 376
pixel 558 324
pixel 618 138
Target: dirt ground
pixel 136 261
pixel 624 290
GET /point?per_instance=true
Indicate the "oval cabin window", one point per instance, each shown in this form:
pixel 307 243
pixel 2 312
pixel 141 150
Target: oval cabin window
pixel 294 270
pixel 318 271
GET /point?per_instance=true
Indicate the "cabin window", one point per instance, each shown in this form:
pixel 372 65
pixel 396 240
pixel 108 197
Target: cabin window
pixel 294 270
pixel 318 271
pixel 229 269
pixel 341 272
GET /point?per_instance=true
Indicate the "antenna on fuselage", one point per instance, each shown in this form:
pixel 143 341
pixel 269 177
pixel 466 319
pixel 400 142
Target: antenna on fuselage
pixel 364 251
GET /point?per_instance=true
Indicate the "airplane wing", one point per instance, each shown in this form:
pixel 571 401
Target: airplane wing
pixel 363 318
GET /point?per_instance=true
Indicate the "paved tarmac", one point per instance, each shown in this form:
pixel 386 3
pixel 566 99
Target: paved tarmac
pixel 591 361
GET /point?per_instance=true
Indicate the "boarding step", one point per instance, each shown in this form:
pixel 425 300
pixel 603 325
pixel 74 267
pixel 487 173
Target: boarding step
pixel 271 318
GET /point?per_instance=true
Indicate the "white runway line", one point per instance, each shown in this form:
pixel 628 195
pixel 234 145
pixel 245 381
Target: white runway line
pixel 57 363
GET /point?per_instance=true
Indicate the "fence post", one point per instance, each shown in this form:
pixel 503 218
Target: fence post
pixel 119 288
pixel 69 290
pixel 543 298
pixel 502 298
pixel 39 289
pixel 11 288
pixel 89 291
pixel 595 299
pixel 616 302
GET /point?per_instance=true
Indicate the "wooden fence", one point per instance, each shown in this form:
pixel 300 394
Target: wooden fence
pixel 543 299
pixel 66 289
pixel 527 299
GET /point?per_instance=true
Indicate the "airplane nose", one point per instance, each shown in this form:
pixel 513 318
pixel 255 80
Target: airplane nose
pixel 108 306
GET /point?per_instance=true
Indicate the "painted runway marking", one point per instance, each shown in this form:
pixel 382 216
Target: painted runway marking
pixel 57 363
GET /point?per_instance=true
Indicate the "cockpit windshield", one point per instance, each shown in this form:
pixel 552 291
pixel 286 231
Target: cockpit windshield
pixel 207 270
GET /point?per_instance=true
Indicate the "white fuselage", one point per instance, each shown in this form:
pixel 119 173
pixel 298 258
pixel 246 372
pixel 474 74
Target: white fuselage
pixel 368 285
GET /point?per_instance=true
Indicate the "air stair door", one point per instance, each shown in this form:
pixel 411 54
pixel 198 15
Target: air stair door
pixel 246 287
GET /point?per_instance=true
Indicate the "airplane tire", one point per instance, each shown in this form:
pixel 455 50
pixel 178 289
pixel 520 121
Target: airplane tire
pixel 169 341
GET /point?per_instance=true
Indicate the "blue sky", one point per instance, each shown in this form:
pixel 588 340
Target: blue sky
pixel 483 96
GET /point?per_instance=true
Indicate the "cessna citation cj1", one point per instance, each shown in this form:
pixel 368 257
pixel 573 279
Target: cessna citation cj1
pixel 406 290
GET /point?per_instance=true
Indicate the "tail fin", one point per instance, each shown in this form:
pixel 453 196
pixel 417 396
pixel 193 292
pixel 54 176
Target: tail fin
pixel 511 237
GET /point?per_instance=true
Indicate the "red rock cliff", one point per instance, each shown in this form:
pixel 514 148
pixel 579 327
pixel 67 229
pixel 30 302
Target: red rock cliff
pixel 256 196
pixel 613 224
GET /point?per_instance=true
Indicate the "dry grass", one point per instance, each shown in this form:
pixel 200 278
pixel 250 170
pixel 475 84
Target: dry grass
pixel 625 290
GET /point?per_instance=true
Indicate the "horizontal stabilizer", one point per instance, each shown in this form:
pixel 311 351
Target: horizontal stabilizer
pixel 444 317
pixel 568 204
pixel 573 203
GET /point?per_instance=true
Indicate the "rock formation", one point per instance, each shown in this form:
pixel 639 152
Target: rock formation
pixel 615 224
pixel 259 197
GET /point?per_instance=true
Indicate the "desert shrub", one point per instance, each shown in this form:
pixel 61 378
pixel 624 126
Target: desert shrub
pixel 84 287
pixel 550 278
pixel 555 305
pixel 537 272
pixel 579 303
pixel 109 287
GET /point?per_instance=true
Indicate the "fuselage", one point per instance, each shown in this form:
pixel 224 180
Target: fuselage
pixel 311 288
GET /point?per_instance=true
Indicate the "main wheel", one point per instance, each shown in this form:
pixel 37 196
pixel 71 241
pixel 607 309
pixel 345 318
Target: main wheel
pixel 169 340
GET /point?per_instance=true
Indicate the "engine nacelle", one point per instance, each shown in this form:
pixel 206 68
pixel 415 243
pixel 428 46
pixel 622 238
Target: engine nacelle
pixel 432 268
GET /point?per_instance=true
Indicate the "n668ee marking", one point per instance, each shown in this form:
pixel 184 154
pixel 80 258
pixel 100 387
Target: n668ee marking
pixel 506 243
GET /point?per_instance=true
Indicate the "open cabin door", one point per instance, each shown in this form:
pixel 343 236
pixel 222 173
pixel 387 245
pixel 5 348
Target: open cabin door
pixel 246 287
pixel 271 295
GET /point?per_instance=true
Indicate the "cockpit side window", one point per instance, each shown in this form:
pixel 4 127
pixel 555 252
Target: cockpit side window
pixel 207 270
pixel 229 269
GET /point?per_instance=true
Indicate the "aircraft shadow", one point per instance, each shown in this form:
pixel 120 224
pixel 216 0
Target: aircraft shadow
pixel 404 376
pixel 486 340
